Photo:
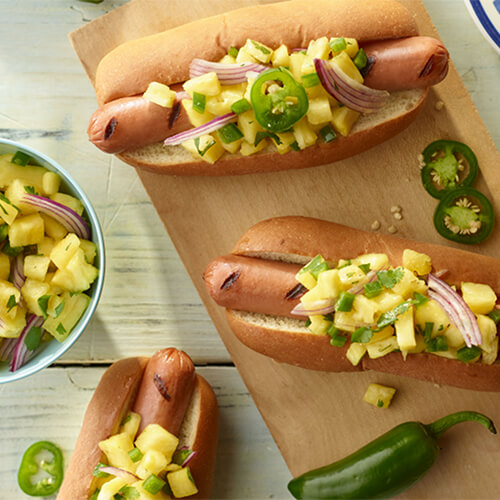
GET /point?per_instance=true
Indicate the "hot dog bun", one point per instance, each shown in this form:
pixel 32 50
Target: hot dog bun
pixel 127 71
pixel 295 240
pixel 117 392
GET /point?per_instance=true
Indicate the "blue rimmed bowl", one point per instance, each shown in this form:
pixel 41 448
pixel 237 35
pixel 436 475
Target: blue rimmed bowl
pixel 52 350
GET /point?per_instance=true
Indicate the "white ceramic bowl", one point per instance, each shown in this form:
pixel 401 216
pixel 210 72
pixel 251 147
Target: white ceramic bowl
pixel 52 350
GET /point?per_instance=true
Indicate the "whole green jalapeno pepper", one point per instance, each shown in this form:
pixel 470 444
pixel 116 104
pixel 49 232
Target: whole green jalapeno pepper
pixel 384 467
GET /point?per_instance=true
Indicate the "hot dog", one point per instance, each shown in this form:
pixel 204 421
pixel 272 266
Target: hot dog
pixel 163 390
pixel 262 285
pixel 397 59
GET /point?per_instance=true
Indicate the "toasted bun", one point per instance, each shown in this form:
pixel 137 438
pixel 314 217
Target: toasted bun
pixel 164 57
pixel 298 239
pixel 109 405
pixel 368 131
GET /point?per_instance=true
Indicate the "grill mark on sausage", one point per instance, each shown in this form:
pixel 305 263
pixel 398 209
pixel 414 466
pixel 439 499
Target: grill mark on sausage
pixel 176 111
pixel 428 67
pixel 161 386
pixel 369 64
pixel 296 292
pixel 228 282
pixel 110 128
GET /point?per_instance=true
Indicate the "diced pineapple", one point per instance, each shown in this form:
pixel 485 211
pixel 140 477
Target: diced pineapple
pixel 280 57
pixel 145 495
pixel 182 483
pixel 479 297
pixel 409 284
pixel 36 266
pixel 377 261
pixel 77 275
pixel 30 175
pixel 249 126
pixel 296 61
pixel 27 230
pixel 379 349
pixel 420 346
pixel 405 330
pixel 346 321
pixel 258 51
pixel 383 334
pixel 245 56
pixel 155 437
pixel 304 134
pixel 356 352
pixel 8 211
pixel 32 291
pixel 111 488
pixel 306 278
pixel 319 111
pixel 152 462
pixel 207 84
pixel 231 147
pixel 74 306
pixel 344 63
pixel 379 395
pixel 206 147
pixel 56 304
pixel 343 119
pixel 489 344
pixel 431 312
pixel 419 263
pixel 454 337
pixel 12 325
pixel 319 325
pixel 221 103
pixel 68 201
pixel 10 297
pixel 352 47
pixel 310 298
pixel 116 449
pixel 350 275
pixel 51 182
pixel 319 48
pixel 364 309
pixel 247 149
pixel 227 59
pixel 45 246
pixel 4 267
pixel 286 140
pixel 319 91
pixel 14 193
pixel 131 424
pixel 65 249
pixel 386 301
pixel 307 66
pixel 53 229
pixel 329 285
pixel 195 118
pixel 89 249
pixel 160 94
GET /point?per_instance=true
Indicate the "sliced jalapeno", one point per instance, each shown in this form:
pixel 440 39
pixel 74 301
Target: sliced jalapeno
pixel 464 215
pixel 278 100
pixel 448 165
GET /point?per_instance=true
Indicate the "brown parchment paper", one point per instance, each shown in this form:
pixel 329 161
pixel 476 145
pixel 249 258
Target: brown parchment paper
pixel 314 417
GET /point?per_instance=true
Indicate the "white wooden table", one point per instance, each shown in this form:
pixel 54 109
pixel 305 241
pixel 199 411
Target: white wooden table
pixel 148 301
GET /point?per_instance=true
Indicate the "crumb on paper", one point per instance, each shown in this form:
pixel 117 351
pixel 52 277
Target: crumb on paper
pixel 392 229
pixel 421 161
pixel 398 215
pixel 396 209
pixel 439 105
pixel 375 225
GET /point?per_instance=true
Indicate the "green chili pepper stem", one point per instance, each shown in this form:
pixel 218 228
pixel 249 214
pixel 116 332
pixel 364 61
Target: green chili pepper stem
pixel 437 428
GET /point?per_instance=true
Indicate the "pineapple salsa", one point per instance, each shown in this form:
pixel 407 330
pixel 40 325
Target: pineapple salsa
pixel 45 267
pixel 406 309
pixel 256 97
pixel 149 466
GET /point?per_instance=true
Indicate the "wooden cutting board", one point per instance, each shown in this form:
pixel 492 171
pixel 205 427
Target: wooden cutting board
pixel 315 417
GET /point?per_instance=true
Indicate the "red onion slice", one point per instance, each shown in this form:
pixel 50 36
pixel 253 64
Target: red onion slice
pixel 318 307
pixel 348 91
pixel 7 347
pixel 466 320
pixel 18 277
pixel 63 214
pixel 228 74
pixel 21 353
pixel 182 95
pixel 115 471
pixel 360 286
pixel 206 128
pixel 189 458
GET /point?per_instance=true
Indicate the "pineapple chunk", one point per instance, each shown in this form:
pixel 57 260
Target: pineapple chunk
pixel 304 134
pixel 131 424
pixel 111 488
pixel 207 148
pixel 319 111
pixel 489 344
pixel 454 337
pixel 36 266
pixel 195 118
pixel 258 51
pixel 352 47
pixel 307 279
pixel 245 56
pixel 383 334
pixel 53 229
pixel 15 192
pixel 249 126
pixel 51 183
pixel 145 495
pixel 480 298
pixel 379 349
pixel 32 291
pixel 4 267
pixel 319 48
pixel 343 119
pixel 296 62
pixel 30 175
pixel 344 63
pixel 377 261
pixel 386 301
pixel 405 330
pixel 419 263
pixel 287 139
pixel 207 84
pixel 45 246
pixel 27 230
pixel 182 483
pixel 350 275
pixel 329 285
pixel 431 312
pixel 160 94
pixel 247 149
pixel 12 325
pixel 89 249
pixel 221 103
pixel 379 395
pixel 155 437
pixel 409 284
pixel 64 250
pixel 364 309
pixel 346 321
pixel 9 298
pixel 355 353
pixel 8 212
pixel 78 274
pixel 319 325
pixel 153 462
pixel 74 306
pixel 280 57
pixel 116 449
pixel 68 201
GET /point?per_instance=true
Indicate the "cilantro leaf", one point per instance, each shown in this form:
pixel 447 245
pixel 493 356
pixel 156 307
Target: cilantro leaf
pixel 11 303
pixel 33 338
pixel 362 335
pixel 43 303
pixel 390 277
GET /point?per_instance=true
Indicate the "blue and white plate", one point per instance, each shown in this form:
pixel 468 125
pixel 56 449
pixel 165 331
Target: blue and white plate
pixel 486 15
